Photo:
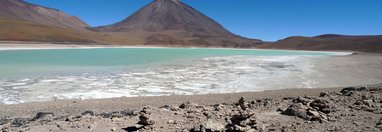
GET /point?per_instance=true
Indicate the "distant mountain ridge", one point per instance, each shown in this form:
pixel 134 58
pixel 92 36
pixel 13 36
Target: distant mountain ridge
pixel 368 43
pixel 22 10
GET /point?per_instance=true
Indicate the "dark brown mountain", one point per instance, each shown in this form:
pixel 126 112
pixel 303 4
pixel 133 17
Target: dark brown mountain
pixel 18 9
pixel 13 29
pixel 329 42
pixel 172 22
pixel 22 21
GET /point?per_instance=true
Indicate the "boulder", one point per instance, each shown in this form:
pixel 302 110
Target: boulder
pixel 321 105
pixel 297 109
pixel 144 119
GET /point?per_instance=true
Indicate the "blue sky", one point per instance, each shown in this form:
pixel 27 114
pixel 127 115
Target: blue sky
pixel 268 20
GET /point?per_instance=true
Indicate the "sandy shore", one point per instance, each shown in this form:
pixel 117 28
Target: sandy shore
pixel 6 45
pixel 11 45
pixel 63 107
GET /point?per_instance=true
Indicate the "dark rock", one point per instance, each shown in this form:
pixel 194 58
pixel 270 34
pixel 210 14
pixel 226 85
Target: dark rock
pixel 18 122
pixel 242 103
pixel 267 102
pixel 324 93
pixel 332 119
pixel 188 105
pixel 280 110
pixel 108 114
pixel 170 122
pixel 317 116
pixel 91 113
pixel 219 107
pixel 131 129
pixel 290 98
pixel 147 110
pixel 321 105
pixel 165 107
pixel 379 124
pixel 117 114
pixel 350 90
pixel 5 129
pixel 43 116
pixel 73 118
pixel 302 100
pixel 5 120
pixel 127 112
pixel 172 108
pixel 263 102
pixel 144 119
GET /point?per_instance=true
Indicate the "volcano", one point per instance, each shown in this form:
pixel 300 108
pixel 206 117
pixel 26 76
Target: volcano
pixel 172 22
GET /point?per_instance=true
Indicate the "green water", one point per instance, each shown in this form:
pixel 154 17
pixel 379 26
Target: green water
pixel 25 63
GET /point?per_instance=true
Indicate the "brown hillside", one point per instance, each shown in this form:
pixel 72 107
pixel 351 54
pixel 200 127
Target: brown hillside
pixel 329 42
pixel 19 9
pixel 22 30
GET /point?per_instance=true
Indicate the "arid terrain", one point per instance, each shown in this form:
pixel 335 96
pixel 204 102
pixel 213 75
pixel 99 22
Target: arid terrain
pixel 332 109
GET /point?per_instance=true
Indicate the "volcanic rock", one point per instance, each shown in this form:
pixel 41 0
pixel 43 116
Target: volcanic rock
pixel 297 109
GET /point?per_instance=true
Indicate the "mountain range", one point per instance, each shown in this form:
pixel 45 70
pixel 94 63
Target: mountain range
pixel 370 43
pixel 161 22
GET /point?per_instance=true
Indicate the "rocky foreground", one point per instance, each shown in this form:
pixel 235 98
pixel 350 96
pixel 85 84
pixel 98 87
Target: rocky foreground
pixel 351 109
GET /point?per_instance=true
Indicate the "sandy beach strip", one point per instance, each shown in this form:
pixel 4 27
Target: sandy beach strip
pixel 15 45
pixel 70 107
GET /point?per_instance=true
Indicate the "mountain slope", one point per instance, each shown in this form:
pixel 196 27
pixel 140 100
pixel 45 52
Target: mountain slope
pixel 39 14
pixel 23 30
pixel 329 42
pixel 174 23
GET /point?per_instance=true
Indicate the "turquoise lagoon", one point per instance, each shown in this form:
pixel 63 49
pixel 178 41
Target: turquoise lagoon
pixel 88 73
